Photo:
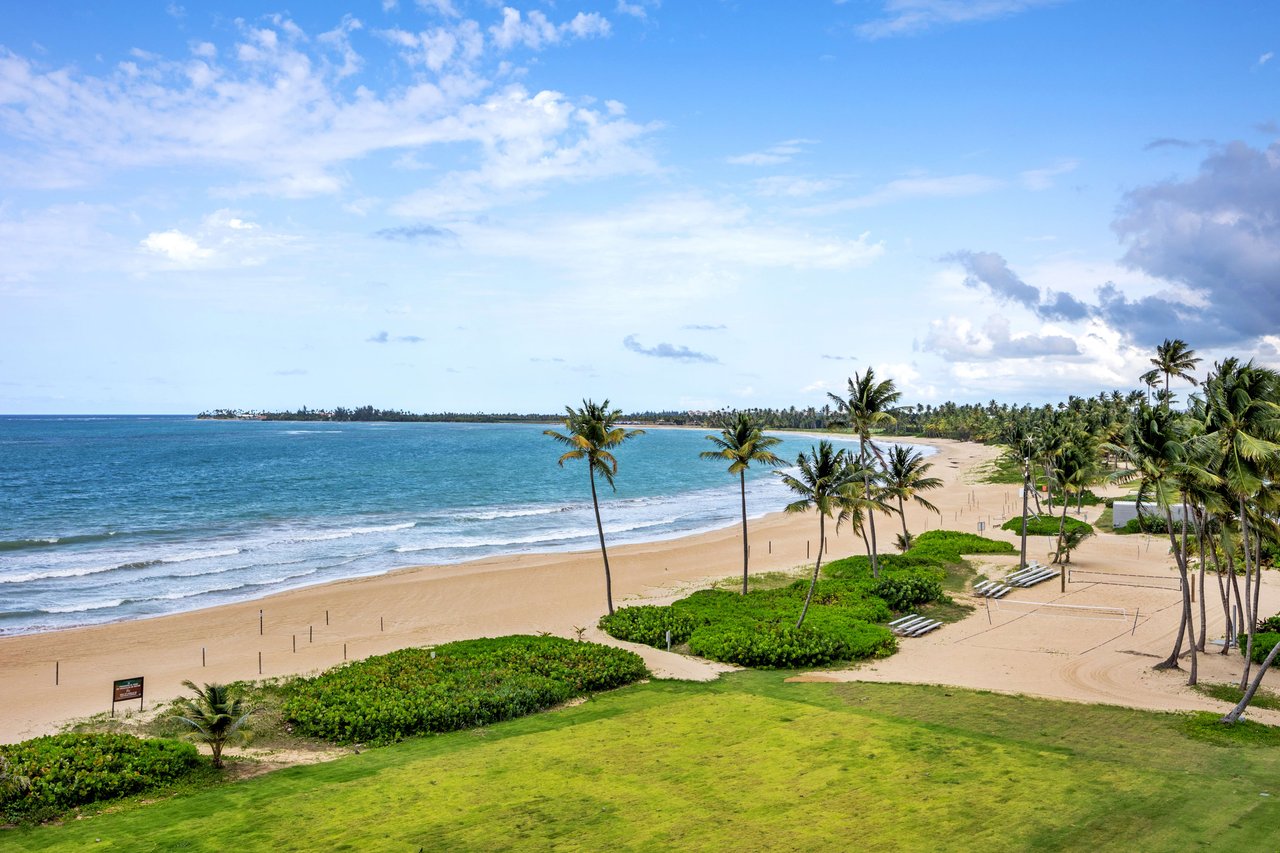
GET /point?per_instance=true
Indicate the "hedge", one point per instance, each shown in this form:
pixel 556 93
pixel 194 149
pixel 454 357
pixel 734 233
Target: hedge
pixel 454 686
pixel 69 770
pixel 1045 525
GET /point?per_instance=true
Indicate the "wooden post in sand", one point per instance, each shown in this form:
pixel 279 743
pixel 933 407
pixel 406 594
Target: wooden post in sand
pixel 326 617
pixel 259 623
pixel 259 663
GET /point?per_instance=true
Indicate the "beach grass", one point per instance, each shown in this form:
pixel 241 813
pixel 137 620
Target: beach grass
pixel 748 762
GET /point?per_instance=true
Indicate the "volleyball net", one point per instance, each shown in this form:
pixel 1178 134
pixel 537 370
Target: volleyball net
pixel 1173 584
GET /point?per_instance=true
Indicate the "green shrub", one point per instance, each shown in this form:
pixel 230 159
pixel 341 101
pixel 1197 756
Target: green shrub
pixel 456 685
pixel 69 770
pixel 1270 625
pixel 783 646
pixel 1045 525
pixel 1263 643
pixel 904 591
pixel 649 625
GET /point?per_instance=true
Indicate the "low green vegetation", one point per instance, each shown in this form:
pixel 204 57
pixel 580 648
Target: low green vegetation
pixel 1045 525
pixel 61 772
pixel 748 762
pixel 1231 693
pixel 1263 643
pixel 758 629
pixel 454 686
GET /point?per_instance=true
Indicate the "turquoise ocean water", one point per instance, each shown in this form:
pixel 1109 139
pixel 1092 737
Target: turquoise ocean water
pixel 110 518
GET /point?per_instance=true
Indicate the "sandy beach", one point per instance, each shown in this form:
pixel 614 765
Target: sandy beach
pixel 1100 649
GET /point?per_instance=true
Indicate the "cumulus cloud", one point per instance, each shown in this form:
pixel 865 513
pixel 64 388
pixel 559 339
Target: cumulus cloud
pixel 956 339
pixel 911 17
pixel 277 110
pixel 990 271
pixel 665 350
pixel 1218 236
pixel 222 239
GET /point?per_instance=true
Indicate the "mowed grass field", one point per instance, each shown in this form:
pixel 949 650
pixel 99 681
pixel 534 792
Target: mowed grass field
pixel 747 763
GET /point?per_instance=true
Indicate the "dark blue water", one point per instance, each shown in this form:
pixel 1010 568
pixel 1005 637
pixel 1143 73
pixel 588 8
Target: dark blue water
pixel 108 518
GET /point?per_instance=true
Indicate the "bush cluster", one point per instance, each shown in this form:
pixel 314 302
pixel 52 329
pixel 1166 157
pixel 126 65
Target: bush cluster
pixel 649 625
pixel 1045 525
pixel 788 646
pixel 454 686
pixel 69 770
pixel 1148 524
pixel 1263 643
pixel 1270 625
pixel 758 629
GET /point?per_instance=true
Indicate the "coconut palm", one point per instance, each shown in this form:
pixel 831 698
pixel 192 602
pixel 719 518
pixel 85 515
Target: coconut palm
pixel 1160 456
pixel 868 408
pixel 591 433
pixel 1242 428
pixel 824 476
pixel 1175 358
pixel 216 715
pixel 742 442
pixel 905 477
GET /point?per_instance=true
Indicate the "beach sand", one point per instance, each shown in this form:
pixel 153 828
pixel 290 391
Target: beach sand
pixel 1067 653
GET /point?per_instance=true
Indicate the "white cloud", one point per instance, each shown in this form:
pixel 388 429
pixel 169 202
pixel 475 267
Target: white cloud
pixel 635 10
pixel 910 17
pixel 903 189
pixel 774 155
pixel 535 32
pixel 790 186
pixel 180 248
pixel 222 239
pixel 1042 179
pixel 1264 59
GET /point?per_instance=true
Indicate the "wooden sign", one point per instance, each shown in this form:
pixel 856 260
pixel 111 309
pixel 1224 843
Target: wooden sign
pixel 124 690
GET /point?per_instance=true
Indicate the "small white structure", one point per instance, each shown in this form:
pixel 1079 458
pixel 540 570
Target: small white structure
pixel 1122 512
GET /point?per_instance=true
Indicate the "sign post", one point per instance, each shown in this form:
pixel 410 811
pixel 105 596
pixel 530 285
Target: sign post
pixel 125 690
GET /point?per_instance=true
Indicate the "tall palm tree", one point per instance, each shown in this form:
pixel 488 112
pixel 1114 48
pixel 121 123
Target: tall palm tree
pixel 824 475
pixel 591 433
pixel 216 715
pixel 1242 426
pixel 1165 463
pixel 742 442
pixel 1175 358
pixel 905 477
pixel 867 408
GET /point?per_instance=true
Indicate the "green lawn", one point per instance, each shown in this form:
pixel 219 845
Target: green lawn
pixel 746 763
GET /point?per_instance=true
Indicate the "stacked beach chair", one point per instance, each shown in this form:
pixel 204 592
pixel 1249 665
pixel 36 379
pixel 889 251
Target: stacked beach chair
pixel 1030 576
pixel 913 625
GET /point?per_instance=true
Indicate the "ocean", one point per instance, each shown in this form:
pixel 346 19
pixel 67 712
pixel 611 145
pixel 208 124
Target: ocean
pixel 123 517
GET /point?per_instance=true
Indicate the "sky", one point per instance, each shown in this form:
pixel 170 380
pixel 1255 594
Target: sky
pixel 463 205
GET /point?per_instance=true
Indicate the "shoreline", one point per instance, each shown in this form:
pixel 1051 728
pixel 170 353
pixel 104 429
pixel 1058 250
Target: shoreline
pixel 313 628
pixel 358 617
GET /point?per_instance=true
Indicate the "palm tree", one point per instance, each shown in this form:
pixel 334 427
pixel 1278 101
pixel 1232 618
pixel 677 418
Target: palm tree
pixel 823 476
pixel 904 478
pixel 591 433
pixel 1242 428
pixel 866 409
pixel 741 442
pixel 1175 358
pixel 216 715
pixel 1167 465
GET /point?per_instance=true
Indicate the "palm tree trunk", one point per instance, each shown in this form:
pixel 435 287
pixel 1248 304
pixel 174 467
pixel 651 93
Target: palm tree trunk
pixel 822 537
pixel 1233 716
pixel 595 501
pixel 1171 662
pixel 1026 487
pixel 1250 614
pixel 1200 536
pixel 902 513
pixel 746 552
pixel 871 515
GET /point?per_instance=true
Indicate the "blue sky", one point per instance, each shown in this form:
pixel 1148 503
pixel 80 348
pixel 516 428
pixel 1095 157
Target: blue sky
pixel 472 206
